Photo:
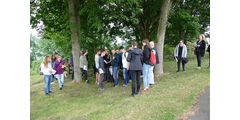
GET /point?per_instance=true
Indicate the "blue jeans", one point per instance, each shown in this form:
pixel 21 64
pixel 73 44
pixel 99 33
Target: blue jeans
pixel 60 78
pixel 125 76
pixel 47 82
pixel 115 70
pixel 146 75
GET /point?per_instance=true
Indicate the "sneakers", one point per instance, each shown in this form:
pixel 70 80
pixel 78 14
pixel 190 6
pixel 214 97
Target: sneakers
pixel 144 90
pixel 132 95
pixel 87 82
pixel 124 85
pixel 100 89
pixel 60 88
pixel 115 86
pixel 47 94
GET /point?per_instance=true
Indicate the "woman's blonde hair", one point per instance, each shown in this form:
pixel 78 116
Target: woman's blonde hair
pixel 45 61
pixel 203 36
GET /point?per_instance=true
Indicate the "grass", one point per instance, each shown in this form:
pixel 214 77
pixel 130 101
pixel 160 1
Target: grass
pixel 172 95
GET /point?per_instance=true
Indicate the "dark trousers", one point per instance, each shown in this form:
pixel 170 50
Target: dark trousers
pixel 84 72
pixel 199 60
pixel 100 85
pixel 178 64
pixel 107 74
pixel 72 72
pixel 135 75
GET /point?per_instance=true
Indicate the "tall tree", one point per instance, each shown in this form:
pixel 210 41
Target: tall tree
pixel 166 5
pixel 75 29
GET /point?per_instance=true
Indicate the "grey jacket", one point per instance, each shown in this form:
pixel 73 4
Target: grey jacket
pixel 135 57
pixel 184 52
pixel 101 64
pixel 83 61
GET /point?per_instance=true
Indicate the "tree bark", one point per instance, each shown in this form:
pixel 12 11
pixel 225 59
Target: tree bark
pixel 74 36
pixel 166 5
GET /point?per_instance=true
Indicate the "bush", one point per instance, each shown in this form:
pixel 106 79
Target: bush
pixel 35 66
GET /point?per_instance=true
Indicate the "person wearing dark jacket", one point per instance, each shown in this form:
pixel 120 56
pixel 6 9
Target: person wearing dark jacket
pixel 134 59
pixel 107 64
pixel 200 49
pixel 180 53
pixel 101 70
pixel 146 65
pixel 115 66
pixel 151 81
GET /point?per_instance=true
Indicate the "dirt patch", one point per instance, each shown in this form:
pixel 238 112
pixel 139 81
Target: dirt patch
pixel 35 83
pixel 195 107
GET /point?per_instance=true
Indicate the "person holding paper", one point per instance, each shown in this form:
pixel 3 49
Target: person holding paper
pixel 59 71
pixel 102 70
pixel 47 71
pixel 180 53
pixel 83 64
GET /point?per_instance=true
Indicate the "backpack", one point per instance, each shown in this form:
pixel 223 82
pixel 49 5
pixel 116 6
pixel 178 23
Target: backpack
pixel 152 58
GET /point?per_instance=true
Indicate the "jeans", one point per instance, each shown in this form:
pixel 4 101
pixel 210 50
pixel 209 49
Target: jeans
pixel 84 72
pixel 60 78
pixel 151 81
pixel 115 71
pixel 135 75
pixel 178 64
pixel 146 75
pixel 100 85
pixel 125 76
pixel 199 60
pixel 47 82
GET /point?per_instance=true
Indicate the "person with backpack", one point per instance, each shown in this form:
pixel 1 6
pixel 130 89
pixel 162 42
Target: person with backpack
pixel 115 66
pixel 180 53
pixel 59 71
pixel 134 59
pixel 125 64
pixel 153 57
pixel 47 71
pixel 83 64
pixel 146 65
pixel 200 47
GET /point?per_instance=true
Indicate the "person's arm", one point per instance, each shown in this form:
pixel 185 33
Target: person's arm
pixel 175 51
pixel 129 57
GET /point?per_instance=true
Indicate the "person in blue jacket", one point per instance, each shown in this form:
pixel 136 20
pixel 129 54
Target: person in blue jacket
pixel 115 66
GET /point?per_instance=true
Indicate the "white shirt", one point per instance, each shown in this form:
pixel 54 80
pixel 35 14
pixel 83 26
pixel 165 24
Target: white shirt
pixel 46 70
pixel 97 61
pixel 124 60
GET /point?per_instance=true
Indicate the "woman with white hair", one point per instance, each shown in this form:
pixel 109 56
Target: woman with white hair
pixel 151 81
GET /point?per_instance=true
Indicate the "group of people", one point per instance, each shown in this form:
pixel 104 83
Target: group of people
pixel 134 62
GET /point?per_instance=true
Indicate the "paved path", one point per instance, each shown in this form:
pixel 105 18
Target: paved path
pixel 204 107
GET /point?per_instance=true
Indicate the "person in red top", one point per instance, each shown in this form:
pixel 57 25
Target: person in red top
pixel 59 72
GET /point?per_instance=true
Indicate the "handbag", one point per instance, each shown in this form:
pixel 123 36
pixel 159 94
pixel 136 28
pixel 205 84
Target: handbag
pixel 185 60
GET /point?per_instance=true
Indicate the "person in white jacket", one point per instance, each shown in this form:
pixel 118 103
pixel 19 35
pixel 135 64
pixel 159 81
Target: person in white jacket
pixel 125 64
pixel 47 71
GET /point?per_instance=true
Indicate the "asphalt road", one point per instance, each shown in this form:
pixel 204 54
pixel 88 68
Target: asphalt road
pixel 204 107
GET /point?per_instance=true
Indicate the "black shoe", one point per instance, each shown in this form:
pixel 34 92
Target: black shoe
pixel 47 94
pixel 60 88
pixel 136 93
pixel 178 71
pixel 132 95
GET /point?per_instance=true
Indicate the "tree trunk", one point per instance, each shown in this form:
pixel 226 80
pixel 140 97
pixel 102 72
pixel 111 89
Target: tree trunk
pixel 161 34
pixel 74 36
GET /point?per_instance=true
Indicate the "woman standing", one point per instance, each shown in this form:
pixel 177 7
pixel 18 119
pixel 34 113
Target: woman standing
pixel 47 70
pixel 146 65
pixel 52 62
pixel 200 49
pixel 180 53
pixel 59 72
pixel 134 59
pixel 83 64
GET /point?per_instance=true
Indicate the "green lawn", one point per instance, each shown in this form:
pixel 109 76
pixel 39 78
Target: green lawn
pixel 172 95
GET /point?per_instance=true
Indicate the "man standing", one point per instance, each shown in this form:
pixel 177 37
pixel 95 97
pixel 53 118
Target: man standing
pixel 115 66
pixel 125 64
